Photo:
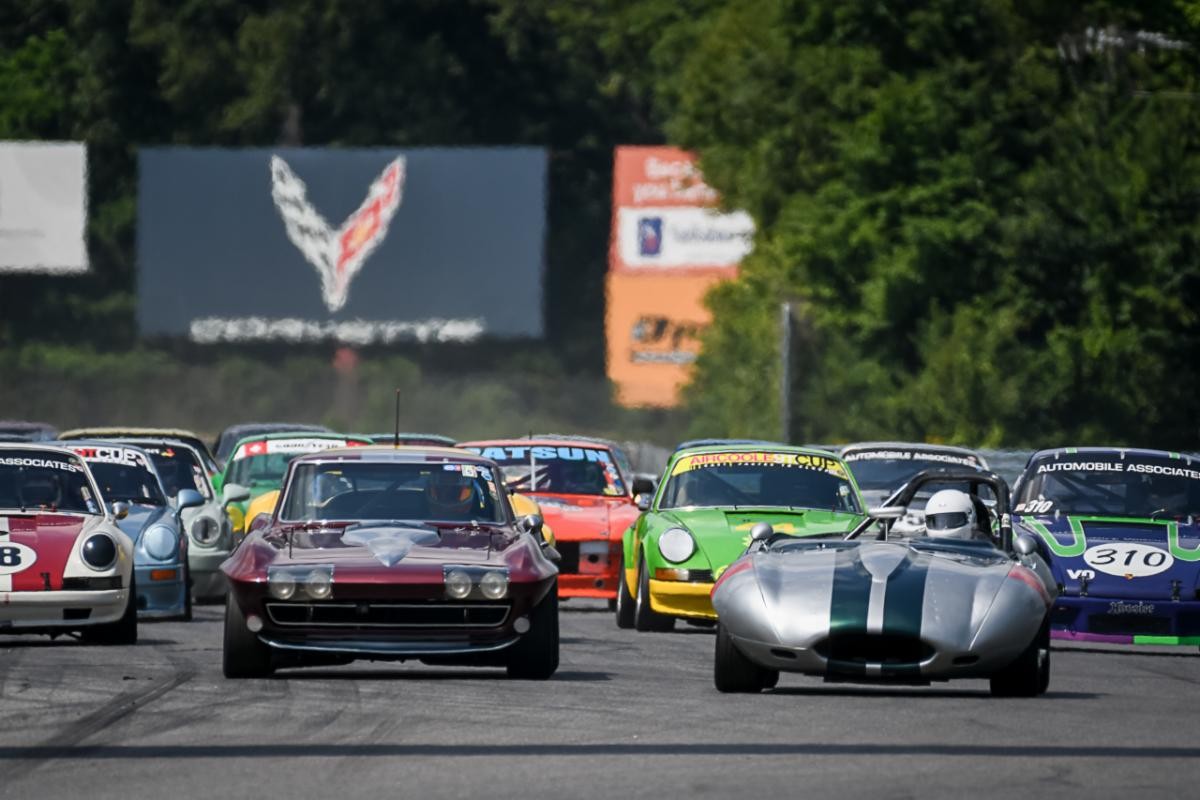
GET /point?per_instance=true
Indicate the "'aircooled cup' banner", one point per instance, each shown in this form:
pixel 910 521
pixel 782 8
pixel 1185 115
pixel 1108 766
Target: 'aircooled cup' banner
pixel 357 246
pixel 43 207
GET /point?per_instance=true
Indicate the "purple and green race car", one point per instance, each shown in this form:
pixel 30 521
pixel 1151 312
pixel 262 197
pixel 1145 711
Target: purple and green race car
pixel 1120 529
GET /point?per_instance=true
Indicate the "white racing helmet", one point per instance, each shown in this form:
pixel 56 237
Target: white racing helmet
pixel 950 514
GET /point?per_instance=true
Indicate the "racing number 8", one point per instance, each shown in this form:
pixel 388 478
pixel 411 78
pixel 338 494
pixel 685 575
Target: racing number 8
pixel 10 557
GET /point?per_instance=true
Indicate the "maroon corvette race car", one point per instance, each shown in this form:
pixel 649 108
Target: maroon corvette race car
pixel 387 553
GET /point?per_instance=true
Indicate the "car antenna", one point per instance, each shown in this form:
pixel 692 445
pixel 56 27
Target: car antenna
pixel 396 436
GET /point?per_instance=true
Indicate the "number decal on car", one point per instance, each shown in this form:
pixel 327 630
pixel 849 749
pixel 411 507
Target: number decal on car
pixel 16 557
pixel 1128 559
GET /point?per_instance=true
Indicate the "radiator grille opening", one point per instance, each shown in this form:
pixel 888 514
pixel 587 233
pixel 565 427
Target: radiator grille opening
pixel 865 648
pixel 389 615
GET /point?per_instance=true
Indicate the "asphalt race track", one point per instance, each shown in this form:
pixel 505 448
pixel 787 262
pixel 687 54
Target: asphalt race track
pixel 628 715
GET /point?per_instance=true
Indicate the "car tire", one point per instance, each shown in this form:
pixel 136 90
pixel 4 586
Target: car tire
pixel 535 655
pixel 624 603
pixel 645 618
pixel 733 673
pixel 243 655
pixel 187 594
pixel 122 631
pixel 1029 674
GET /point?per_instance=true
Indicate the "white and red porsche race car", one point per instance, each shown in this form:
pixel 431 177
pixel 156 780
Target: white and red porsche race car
pixel 65 566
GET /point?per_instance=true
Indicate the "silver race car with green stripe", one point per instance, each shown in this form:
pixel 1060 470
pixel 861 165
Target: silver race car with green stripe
pixel 873 606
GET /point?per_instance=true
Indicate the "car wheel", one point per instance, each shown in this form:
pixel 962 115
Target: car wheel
pixel 244 656
pixel 624 603
pixel 535 655
pixel 124 630
pixel 1029 674
pixel 187 594
pixel 646 618
pixel 734 673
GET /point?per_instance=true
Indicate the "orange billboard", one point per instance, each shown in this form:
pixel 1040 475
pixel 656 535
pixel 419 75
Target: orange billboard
pixel 669 245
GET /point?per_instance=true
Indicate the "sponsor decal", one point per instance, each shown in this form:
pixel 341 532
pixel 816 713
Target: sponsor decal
pixel 661 340
pixel 1128 559
pixel 758 458
pixel 1081 574
pixel 337 255
pixel 212 330
pixel 511 453
pixel 273 446
pixel 113 455
pixel 1121 607
pixel 909 455
pixel 683 238
pixel 45 463
pixel 1138 468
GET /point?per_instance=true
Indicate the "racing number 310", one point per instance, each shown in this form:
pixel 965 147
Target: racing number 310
pixel 1150 558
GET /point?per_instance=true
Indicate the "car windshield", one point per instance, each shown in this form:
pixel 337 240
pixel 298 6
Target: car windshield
pixel 179 468
pixel 760 479
pixel 123 474
pixel 1106 484
pixel 45 481
pixel 384 491
pixel 887 470
pixel 263 462
pixel 557 469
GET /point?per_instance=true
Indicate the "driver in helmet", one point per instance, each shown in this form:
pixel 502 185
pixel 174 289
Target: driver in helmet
pixel 950 514
pixel 450 495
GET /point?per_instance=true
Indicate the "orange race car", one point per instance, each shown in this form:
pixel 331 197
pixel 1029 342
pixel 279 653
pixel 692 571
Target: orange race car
pixel 584 494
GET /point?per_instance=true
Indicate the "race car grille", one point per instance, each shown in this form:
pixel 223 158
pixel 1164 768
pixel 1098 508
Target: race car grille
pixel 388 615
pixel 1129 624
pixel 570 556
pixel 865 648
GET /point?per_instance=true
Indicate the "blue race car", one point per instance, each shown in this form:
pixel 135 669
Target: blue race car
pixel 1120 529
pixel 130 483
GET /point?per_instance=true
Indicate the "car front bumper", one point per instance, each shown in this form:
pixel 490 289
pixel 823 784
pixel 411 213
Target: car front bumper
pixel 588 567
pixel 687 599
pixel 159 595
pixel 68 610
pixel 1123 621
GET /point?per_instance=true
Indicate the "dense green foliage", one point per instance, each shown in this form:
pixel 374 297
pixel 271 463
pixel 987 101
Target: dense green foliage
pixel 985 212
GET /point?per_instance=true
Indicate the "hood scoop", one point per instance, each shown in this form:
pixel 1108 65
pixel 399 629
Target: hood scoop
pixel 390 544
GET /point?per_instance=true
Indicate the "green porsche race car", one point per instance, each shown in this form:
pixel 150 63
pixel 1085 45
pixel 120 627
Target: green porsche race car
pixel 698 522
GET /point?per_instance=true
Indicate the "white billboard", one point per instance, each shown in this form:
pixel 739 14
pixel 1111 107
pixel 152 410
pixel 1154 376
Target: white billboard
pixel 683 237
pixel 43 207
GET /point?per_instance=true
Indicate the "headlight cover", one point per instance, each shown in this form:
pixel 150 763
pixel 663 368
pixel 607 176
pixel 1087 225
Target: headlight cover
pixel 458 583
pixel 676 545
pixel 494 585
pixel 99 551
pixel 292 582
pixel 205 530
pixel 160 542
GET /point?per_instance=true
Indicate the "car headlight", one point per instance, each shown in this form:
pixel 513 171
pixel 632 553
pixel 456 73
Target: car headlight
pixel 205 530
pixel 319 584
pixel 281 584
pixel 494 585
pixel 458 583
pixel 99 551
pixel 676 545
pixel 160 542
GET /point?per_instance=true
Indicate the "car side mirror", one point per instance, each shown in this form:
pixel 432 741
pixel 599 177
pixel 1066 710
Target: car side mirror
pixel 762 531
pixel 643 501
pixel 120 509
pixel 188 498
pixel 642 486
pixel 259 522
pixel 1025 544
pixel 887 512
pixel 532 523
pixel 234 493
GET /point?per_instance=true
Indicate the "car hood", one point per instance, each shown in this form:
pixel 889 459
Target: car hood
pixel 577 517
pixel 371 548
pixel 1119 557
pixel 832 585
pixel 723 534
pixel 140 518
pixel 52 537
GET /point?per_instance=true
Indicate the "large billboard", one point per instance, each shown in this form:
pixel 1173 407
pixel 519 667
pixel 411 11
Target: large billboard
pixel 43 207
pixel 669 246
pixel 358 246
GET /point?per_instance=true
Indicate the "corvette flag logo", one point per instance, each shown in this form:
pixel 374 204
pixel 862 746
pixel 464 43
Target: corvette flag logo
pixel 338 254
